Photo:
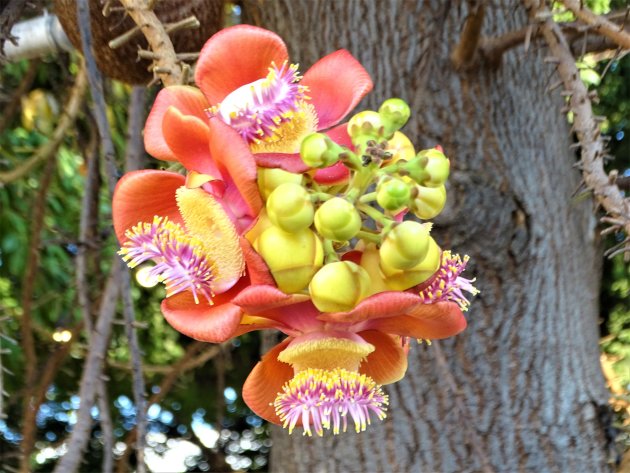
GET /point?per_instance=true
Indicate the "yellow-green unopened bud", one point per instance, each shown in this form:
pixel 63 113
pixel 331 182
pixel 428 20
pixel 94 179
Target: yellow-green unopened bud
pixel 293 258
pixel 289 207
pixel 395 113
pixel 365 125
pixel 339 286
pixel 392 194
pixel 403 279
pixel 428 201
pixel 337 219
pixel 406 245
pixel 319 151
pixel 270 178
pixel 437 167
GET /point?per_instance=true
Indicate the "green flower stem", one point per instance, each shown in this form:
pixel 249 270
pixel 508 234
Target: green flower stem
pixel 369 236
pixel 366 198
pixel 320 197
pixel 330 255
pixel 375 215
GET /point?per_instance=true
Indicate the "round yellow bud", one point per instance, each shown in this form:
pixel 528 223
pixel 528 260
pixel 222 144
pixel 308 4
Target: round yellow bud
pixel 339 286
pixel 401 147
pixel 371 262
pixel 293 258
pixel 270 178
pixel 406 245
pixel 428 201
pixel 368 124
pixel 289 207
pixel 337 219
pixel 437 167
pixel 400 280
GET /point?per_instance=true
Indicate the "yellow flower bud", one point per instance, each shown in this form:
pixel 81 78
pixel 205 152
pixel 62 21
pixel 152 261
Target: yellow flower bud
pixel 402 279
pixel 428 201
pixel 270 178
pixel 437 167
pixel 392 194
pixel 406 245
pixel 395 113
pixel 289 207
pixel 337 219
pixel 319 151
pixel 371 262
pixel 293 258
pixel 339 286
pixel 401 147
pixel 368 124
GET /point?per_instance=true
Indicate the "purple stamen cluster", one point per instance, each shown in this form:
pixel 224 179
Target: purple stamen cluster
pixel 326 398
pixel 275 102
pixel 180 263
pixel 447 284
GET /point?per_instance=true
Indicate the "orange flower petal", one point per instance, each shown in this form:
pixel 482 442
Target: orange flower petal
pixel 428 321
pixel 231 153
pixel 188 100
pixel 336 84
pixel 237 56
pixel 265 382
pixel 208 323
pixel 187 137
pixel 388 362
pixel 141 195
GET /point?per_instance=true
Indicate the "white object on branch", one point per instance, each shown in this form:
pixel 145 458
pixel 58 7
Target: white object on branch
pixel 37 37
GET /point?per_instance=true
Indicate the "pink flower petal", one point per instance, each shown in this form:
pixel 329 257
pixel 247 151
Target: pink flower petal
pixel 257 269
pixel 336 83
pixel 237 56
pixel 338 173
pixel 233 157
pixel 265 382
pixel 260 299
pixel 383 304
pixel 388 362
pixel 187 138
pixel 188 100
pixel 288 162
pixel 141 195
pixel 339 134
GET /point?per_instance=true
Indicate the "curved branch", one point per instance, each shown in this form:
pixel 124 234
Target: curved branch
pixel 65 122
pixel 598 23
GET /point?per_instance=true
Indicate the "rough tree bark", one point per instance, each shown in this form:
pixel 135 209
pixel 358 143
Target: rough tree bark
pixel 521 388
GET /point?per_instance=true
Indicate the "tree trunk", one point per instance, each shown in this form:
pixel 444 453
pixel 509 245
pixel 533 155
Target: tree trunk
pixel 521 389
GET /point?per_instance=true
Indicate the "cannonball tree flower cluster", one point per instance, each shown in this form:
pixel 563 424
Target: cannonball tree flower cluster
pixel 287 220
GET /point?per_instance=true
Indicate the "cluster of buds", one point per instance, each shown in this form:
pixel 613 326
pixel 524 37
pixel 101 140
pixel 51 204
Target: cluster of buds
pixel 308 231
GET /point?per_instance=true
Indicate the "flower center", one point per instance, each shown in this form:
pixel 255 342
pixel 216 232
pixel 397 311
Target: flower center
pixel 204 258
pixel 447 284
pixel 180 262
pixel 270 110
pixel 326 398
pixel 321 350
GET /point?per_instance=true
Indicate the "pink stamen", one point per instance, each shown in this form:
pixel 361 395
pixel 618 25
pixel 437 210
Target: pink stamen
pixel 324 399
pixel 180 263
pixel 447 285
pixel 267 105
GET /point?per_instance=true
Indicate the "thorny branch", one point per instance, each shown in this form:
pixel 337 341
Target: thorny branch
pixel 9 15
pixel 166 66
pixel 586 126
pixel 464 52
pixel 598 23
